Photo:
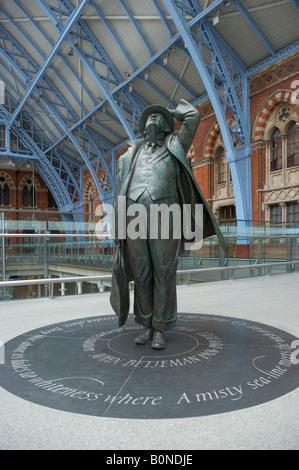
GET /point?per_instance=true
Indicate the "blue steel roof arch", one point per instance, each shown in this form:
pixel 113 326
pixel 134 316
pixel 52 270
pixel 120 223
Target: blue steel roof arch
pixel 123 85
pixel 152 53
pixel 38 137
pixel 59 118
pixel 295 4
pixel 82 121
pixel 86 135
pixel 75 188
pixel 66 30
pixel 51 43
pixel 136 26
pixel 129 96
pixel 43 165
pixel 11 103
pixel 207 73
pixel 190 7
pixel 248 17
pixel 35 46
pixel 159 92
pixel 164 20
pixel 195 39
pixel 114 35
pixel 111 71
pixel 187 7
pixel 31 68
pixel 18 68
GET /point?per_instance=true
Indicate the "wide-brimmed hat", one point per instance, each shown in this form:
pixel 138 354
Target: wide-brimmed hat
pixel 156 108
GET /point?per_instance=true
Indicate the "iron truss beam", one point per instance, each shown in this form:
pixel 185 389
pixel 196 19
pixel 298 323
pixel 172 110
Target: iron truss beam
pixel 52 103
pixel 44 167
pixel 251 21
pixel 68 172
pixel 227 88
pixel 66 29
pixel 109 78
pixel 295 4
pixel 51 43
pixel 66 63
pixel 123 105
pixel 56 14
pixel 126 105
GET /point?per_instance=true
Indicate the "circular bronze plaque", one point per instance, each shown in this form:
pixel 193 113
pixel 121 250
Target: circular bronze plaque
pixel 212 364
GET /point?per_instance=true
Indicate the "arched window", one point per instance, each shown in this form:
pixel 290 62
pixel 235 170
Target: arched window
pixel 293 212
pixel 51 201
pixel 276 150
pixel 91 206
pixel 4 192
pixel 293 145
pixel 90 196
pixel 221 164
pixel 275 214
pixel 227 215
pixel 28 194
pixel 2 136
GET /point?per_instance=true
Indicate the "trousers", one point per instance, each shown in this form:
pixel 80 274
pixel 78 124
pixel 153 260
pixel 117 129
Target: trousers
pixel 153 263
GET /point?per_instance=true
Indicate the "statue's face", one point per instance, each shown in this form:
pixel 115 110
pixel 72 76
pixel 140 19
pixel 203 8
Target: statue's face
pixel 158 121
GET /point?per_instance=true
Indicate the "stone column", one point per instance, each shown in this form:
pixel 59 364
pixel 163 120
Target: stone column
pixel 101 286
pixel 63 288
pixel 79 287
pixel 284 153
pixel 283 212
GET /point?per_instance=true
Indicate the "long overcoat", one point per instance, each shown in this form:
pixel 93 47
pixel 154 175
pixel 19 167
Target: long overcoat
pixel 189 191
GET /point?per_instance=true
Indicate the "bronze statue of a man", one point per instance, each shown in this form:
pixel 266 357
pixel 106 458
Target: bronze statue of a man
pixel 152 172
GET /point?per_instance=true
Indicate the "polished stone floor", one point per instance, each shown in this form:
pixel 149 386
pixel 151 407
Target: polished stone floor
pixel 274 424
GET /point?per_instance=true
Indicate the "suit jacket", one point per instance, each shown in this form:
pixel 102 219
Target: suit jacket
pixel 178 145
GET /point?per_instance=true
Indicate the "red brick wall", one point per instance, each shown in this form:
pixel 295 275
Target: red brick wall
pixel 262 86
pixel 16 180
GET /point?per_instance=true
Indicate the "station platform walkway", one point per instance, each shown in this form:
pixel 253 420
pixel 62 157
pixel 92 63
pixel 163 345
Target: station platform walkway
pixel 270 300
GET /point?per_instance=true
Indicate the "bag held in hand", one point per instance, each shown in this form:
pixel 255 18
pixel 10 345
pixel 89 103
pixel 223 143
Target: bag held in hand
pixel 119 296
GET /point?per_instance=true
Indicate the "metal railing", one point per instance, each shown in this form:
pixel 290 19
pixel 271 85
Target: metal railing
pixel 54 280
pixel 294 265
pixel 52 254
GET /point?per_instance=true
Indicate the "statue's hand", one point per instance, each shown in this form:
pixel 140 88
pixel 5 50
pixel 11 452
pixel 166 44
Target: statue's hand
pixel 172 112
pixel 180 111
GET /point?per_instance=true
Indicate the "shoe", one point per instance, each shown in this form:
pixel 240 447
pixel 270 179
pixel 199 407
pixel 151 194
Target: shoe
pixel 145 337
pixel 158 340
